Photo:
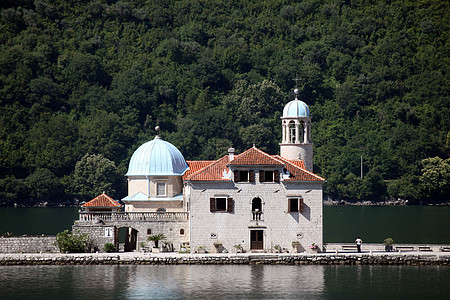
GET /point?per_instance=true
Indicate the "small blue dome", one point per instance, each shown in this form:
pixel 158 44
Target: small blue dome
pixel 157 158
pixel 295 109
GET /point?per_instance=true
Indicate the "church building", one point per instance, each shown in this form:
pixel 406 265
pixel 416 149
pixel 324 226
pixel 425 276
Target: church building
pixel 253 201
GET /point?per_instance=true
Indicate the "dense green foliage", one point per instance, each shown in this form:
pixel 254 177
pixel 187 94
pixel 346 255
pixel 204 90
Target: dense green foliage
pixel 109 247
pixel 94 77
pixel 72 243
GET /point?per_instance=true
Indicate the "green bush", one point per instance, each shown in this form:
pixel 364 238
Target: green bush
pixel 72 243
pixel 109 247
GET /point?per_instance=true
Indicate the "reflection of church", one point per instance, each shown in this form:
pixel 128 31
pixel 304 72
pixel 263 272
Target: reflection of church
pixel 253 199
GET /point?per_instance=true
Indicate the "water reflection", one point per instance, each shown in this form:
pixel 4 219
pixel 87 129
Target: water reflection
pixel 223 282
pixel 218 281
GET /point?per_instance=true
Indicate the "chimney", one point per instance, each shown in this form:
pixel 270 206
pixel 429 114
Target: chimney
pixel 230 154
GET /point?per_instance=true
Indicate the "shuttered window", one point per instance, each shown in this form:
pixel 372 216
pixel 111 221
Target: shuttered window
pixel 276 176
pixel 295 205
pixel 221 204
pixel 269 176
pixel 243 176
pixel 251 176
pixel 300 205
pixel 230 204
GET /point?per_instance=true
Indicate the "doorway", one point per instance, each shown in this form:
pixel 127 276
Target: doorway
pixel 127 238
pixel 256 239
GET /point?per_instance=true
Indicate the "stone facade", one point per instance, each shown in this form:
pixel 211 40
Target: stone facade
pixel 28 244
pixel 175 231
pixel 279 226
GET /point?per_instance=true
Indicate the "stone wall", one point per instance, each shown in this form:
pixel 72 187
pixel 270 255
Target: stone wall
pixel 99 235
pixel 28 244
pixel 176 232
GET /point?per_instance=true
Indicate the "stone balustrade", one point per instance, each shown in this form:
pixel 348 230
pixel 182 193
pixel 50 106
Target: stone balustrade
pixel 132 216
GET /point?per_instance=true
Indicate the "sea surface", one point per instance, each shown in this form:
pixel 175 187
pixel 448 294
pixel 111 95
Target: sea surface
pixel 224 282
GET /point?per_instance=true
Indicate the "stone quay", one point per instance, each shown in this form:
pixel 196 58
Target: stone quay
pixel 140 258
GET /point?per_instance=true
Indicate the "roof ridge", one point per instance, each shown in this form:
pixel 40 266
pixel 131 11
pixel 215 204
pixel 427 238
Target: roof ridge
pixel 254 148
pixel 106 198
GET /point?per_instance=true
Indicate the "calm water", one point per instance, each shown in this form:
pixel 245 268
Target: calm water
pixel 224 282
pixel 405 224
pixel 341 224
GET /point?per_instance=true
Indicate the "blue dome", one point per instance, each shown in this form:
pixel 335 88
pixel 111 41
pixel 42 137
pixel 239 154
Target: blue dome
pixel 157 158
pixel 295 109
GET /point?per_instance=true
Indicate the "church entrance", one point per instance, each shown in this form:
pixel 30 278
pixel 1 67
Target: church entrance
pixel 127 239
pixel 256 239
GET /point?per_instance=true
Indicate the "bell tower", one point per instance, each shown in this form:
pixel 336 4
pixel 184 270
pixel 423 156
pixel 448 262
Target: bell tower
pixel 296 140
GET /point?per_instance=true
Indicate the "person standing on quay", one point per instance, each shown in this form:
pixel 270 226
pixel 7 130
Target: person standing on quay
pixel 358 243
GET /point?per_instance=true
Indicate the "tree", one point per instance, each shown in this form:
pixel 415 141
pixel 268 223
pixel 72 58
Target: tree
pixel 435 178
pixel 93 175
pixel 156 238
pixel 71 242
pixel 44 185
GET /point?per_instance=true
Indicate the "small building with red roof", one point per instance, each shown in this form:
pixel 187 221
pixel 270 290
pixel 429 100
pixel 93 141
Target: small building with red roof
pixel 102 203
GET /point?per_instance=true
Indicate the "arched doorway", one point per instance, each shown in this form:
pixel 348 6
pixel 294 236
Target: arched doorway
pixel 256 208
pixel 127 239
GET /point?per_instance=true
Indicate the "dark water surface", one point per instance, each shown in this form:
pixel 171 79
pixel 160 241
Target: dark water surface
pixel 224 282
pixel 405 224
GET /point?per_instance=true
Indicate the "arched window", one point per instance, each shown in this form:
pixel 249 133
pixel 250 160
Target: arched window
pixel 149 231
pixel 181 231
pixel 301 130
pixel 256 208
pixel 292 132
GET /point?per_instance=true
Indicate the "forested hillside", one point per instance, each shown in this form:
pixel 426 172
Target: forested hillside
pixel 84 83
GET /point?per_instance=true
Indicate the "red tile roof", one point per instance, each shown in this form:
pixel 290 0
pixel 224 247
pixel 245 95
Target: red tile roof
pixel 214 170
pixel 255 157
pixel 211 172
pixel 194 166
pixel 297 172
pixel 102 200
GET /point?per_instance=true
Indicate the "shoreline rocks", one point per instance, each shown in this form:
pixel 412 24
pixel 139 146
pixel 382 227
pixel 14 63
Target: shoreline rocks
pixel 232 259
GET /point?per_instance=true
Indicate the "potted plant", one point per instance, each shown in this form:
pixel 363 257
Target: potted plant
pixel 238 248
pixel 314 248
pixel 277 248
pixel 156 238
pixel 143 247
pixel 296 245
pixel 388 244
pixel 201 250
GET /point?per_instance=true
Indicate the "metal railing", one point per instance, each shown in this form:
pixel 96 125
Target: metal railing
pixel 132 216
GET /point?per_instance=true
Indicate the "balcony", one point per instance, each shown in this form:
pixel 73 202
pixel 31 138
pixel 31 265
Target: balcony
pixel 131 216
pixel 257 215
